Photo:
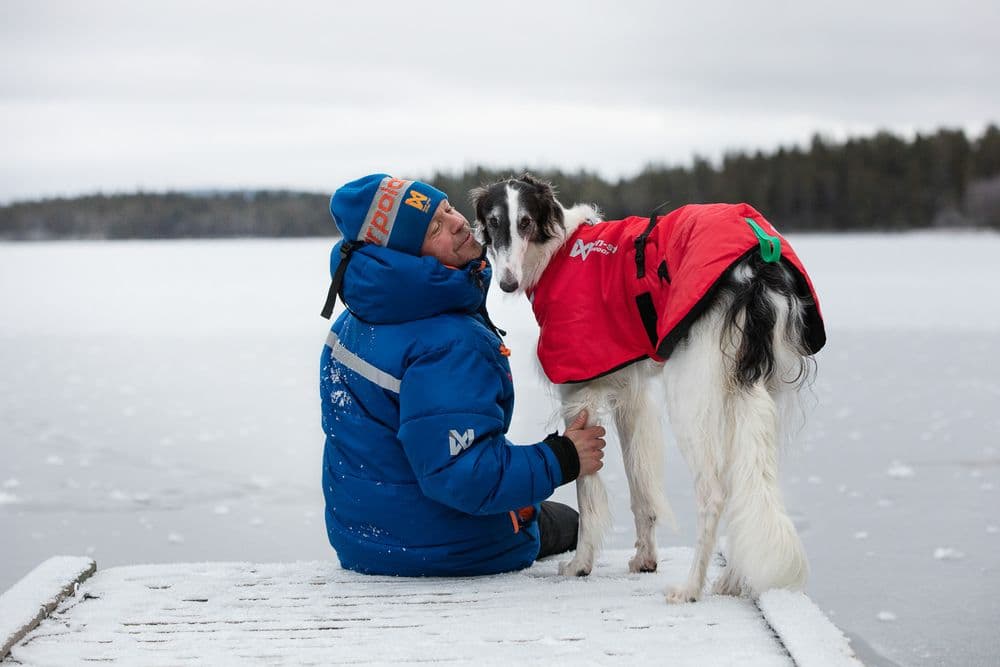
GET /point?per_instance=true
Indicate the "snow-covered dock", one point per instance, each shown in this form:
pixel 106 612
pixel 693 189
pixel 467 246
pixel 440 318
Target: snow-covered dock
pixel 316 613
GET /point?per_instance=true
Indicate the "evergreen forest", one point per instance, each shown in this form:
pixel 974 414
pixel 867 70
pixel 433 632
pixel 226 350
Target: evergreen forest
pixel 882 182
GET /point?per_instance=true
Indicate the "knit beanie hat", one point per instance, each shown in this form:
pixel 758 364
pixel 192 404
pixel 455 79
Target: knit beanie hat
pixel 386 211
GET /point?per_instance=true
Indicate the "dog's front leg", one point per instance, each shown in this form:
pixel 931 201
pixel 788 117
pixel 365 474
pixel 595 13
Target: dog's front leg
pixel 592 500
pixel 591 495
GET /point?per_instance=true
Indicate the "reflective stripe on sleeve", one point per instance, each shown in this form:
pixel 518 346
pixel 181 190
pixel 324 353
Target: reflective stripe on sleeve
pixel 360 366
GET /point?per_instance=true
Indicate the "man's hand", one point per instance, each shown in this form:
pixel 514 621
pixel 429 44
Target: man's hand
pixel 589 443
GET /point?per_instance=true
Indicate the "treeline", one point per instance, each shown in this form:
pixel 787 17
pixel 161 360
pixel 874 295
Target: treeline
pixel 883 182
pixel 169 215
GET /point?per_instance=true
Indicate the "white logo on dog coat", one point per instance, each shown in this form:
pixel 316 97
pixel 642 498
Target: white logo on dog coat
pixel 459 441
pixel 581 249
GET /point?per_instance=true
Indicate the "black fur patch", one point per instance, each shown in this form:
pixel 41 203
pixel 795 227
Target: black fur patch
pixel 755 358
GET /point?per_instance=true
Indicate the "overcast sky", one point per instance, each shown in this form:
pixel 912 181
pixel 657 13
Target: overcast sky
pixel 116 96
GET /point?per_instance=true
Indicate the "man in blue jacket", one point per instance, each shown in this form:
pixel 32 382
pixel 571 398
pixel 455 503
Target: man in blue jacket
pixel 417 397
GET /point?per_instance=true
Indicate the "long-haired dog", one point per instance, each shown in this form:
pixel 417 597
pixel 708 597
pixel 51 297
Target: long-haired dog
pixel 736 357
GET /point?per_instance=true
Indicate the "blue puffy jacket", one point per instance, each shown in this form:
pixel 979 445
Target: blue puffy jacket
pixel 418 476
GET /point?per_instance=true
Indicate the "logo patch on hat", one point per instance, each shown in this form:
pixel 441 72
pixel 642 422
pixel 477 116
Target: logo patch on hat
pixel 418 201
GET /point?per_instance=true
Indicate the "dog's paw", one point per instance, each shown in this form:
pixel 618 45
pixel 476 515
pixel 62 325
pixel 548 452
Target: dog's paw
pixel 574 568
pixel 643 563
pixel 728 584
pixel 682 595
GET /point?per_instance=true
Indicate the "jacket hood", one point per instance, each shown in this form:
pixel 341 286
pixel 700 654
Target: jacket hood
pixel 385 286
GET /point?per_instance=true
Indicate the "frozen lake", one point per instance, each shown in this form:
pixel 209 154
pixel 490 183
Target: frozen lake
pixel 159 402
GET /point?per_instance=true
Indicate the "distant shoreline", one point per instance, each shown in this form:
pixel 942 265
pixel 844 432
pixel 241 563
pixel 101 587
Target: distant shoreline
pixel 879 183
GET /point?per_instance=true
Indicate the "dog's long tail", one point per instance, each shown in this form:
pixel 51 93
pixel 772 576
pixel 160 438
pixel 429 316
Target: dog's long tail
pixel 764 329
pixel 765 323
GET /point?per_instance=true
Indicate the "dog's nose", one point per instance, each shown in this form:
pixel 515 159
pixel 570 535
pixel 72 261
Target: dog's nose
pixel 508 284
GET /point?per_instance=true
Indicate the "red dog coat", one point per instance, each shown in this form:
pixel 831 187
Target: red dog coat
pixel 618 292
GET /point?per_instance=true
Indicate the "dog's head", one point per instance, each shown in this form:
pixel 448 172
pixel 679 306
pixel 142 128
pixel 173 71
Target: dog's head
pixel 515 219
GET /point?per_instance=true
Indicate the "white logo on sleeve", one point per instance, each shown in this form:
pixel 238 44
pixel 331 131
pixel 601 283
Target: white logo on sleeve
pixel 459 441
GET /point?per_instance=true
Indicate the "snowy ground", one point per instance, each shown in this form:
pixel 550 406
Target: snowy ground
pixel 158 403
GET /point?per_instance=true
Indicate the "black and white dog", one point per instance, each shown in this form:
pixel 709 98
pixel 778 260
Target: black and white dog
pixel 729 381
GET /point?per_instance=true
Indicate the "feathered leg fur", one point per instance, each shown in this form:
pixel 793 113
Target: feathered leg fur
pixel 695 382
pixel 591 494
pixel 722 385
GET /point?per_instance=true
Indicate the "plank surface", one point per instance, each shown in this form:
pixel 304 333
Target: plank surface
pixel 26 603
pixel 809 636
pixel 317 613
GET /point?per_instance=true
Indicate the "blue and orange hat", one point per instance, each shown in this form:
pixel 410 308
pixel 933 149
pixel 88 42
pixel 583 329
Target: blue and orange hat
pixel 386 211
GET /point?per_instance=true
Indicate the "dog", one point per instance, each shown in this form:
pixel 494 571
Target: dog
pixel 740 348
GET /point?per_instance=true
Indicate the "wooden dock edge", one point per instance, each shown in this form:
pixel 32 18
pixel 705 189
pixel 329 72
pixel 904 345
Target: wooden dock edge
pixel 25 604
pixel 809 636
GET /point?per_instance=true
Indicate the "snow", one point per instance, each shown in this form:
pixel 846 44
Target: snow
pixel 25 603
pixel 217 344
pixel 899 470
pixel 947 553
pixel 316 613
pixel 810 637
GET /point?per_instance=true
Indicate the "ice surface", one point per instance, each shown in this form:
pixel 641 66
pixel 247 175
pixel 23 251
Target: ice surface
pixel 173 378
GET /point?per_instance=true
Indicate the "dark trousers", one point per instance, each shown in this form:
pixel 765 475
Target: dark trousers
pixel 557 526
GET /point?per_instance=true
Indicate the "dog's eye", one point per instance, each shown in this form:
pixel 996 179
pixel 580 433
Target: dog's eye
pixel 523 224
pixel 491 221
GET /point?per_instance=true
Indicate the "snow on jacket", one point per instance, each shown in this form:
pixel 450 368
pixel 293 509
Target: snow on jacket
pixel 418 476
pixel 686 254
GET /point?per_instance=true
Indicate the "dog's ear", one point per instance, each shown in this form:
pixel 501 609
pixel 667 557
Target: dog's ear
pixel 526 177
pixel 543 189
pixel 551 218
pixel 476 197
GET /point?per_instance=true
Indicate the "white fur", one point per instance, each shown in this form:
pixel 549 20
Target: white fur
pixel 511 263
pixel 729 437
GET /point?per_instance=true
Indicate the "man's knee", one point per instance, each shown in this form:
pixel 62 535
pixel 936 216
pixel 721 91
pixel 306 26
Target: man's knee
pixel 558 525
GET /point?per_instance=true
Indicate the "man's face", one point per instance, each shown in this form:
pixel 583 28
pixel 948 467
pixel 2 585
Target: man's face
pixel 449 237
